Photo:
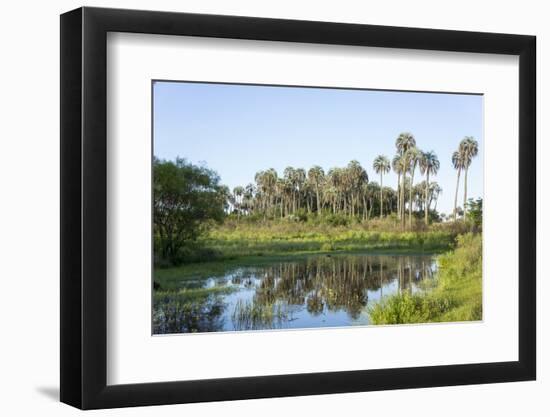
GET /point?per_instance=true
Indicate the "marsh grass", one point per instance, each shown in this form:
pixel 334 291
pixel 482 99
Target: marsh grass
pixel 186 310
pixel 249 315
pixel 456 297
pixel 238 240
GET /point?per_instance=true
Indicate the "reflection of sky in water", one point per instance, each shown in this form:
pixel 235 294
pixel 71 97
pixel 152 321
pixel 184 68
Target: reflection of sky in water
pixel 318 291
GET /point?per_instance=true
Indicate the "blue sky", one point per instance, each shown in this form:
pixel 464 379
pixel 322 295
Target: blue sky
pixel 238 130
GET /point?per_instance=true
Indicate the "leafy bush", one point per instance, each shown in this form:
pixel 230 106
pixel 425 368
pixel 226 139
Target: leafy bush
pixel 337 220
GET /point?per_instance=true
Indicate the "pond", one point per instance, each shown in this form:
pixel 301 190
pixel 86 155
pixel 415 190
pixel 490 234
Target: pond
pixel 311 292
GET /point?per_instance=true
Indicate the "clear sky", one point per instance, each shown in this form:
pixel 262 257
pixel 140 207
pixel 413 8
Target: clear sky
pixel 238 130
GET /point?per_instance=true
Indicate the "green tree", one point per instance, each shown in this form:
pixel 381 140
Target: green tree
pixel 429 164
pixel 474 213
pixel 316 177
pixel 458 164
pixel 187 199
pixel 381 165
pixel 403 143
pixel 397 165
pixel 412 157
pixel 469 149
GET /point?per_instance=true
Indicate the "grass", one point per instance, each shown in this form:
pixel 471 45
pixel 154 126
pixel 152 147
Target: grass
pixel 187 310
pixel 456 296
pixel 249 315
pixel 238 240
pixel 236 244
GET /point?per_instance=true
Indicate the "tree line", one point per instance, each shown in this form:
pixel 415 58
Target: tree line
pixel 188 199
pixel 347 190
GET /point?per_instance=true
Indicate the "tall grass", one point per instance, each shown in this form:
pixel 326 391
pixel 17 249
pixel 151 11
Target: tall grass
pixel 249 315
pixel 259 239
pixel 456 297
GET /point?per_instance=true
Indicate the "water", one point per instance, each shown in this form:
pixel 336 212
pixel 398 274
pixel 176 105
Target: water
pixel 317 291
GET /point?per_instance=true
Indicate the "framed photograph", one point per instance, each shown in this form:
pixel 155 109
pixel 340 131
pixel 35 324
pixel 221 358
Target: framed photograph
pixel 256 207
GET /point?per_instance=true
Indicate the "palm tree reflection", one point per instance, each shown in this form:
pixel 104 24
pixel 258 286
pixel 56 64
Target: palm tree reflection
pixel 270 297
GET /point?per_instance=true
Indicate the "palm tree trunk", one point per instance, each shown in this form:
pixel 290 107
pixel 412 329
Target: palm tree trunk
pixel 381 197
pixel 403 181
pixel 465 189
pixel 456 192
pixel 426 197
pixel 398 195
pixel 411 199
pixel 318 201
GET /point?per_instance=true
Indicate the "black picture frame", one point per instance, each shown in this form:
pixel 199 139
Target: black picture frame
pixel 84 207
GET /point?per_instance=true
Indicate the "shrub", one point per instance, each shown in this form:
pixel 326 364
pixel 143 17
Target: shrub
pixel 327 247
pixel 337 220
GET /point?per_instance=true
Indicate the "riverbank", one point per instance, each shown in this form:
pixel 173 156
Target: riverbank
pixel 233 245
pixel 456 295
pixel 282 238
pixel 171 278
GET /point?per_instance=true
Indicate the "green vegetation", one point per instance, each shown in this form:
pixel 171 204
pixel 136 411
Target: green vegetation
pixel 455 297
pixel 263 239
pixel 249 315
pixel 197 219
pixel 474 214
pixel 187 200
pixel 186 310
pixel 462 159
pixel 202 230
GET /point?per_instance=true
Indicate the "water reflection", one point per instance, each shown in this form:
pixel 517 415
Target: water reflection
pixel 319 291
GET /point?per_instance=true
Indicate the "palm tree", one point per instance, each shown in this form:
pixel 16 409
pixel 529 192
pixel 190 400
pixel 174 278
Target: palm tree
pixel 429 164
pixel 458 164
pixel 290 178
pixel 364 197
pixel 469 149
pixel 398 169
pixel 280 190
pixel 335 182
pixel 412 157
pixel 403 143
pixel 316 177
pixel 357 176
pixel 435 191
pixel 381 165
pixel 237 195
pixel 299 181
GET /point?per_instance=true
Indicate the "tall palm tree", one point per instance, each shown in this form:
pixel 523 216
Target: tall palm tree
pixel 290 178
pixel 381 165
pixel 237 195
pixel 280 190
pixel 316 177
pixel 412 157
pixel 435 191
pixel 357 176
pixel 365 196
pixel 299 181
pixel 398 169
pixel 469 149
pixel 335 181
pixel 458 164
pixel 429 164
pixel 403 143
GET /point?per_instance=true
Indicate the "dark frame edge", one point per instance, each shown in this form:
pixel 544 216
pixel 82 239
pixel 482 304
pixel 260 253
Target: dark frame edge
pixel 527 206
pixel 70 214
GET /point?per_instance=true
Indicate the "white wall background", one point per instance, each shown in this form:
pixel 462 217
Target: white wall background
pixel 29 206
